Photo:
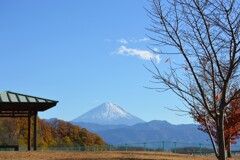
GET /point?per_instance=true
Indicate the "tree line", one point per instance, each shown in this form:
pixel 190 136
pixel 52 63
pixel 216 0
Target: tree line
pixel 51 133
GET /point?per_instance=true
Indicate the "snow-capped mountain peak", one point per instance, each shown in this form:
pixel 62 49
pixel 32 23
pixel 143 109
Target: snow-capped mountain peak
pixel 108 113
pixel 112 111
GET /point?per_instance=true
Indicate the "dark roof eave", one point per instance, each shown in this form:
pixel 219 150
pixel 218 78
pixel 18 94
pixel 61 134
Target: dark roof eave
pixel 25 106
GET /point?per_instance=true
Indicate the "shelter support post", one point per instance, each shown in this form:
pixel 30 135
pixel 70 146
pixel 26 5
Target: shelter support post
pixel 29 130
pixel 35 132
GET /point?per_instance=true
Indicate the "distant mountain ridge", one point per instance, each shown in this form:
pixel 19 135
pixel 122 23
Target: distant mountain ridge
pixel 92 127
pixel 153 131
pixel 108 114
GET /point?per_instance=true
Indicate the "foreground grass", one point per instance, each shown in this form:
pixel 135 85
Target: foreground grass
pixel 113 155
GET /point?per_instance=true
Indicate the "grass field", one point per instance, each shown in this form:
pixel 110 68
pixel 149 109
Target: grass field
pixel 114 155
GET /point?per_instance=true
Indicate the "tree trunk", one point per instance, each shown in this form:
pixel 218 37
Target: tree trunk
pixel 211 138
pixel 221 139
pixel 222 151
pixel 229 153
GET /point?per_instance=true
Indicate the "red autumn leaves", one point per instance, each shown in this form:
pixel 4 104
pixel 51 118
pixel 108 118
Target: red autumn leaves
pixel 231 122
pixel 167 60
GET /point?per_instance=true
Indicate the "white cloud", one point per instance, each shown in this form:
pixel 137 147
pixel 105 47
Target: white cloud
pixel 144 39
pixel 139 40
pixel 143 54
pixel 123 41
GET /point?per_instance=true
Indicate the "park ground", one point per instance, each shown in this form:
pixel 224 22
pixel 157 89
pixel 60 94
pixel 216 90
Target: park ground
pixel 113 155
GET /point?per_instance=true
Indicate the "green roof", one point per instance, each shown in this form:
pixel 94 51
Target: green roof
pixel 22 102
pixel 13 97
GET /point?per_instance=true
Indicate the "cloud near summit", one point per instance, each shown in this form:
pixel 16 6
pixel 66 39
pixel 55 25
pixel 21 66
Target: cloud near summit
pixel 143 54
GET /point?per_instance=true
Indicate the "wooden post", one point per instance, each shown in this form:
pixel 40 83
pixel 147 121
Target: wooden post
pixel 35 131
pixel 29 130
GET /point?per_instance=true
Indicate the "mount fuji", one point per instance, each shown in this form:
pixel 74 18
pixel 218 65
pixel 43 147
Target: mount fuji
pixel 117 126
pixel 108 114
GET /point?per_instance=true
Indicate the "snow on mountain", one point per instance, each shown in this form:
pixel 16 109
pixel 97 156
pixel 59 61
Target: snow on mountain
pixel 108 114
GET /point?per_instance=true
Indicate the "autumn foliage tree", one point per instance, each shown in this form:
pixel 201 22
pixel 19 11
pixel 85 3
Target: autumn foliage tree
pixel 67 134
pixel 52 133
pixel 200 41
pixel 231 124
pixel 8 131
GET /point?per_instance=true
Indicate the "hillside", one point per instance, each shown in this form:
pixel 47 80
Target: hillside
pixel 51 133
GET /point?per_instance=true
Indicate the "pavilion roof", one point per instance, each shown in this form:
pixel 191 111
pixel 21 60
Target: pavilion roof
pixel 12 101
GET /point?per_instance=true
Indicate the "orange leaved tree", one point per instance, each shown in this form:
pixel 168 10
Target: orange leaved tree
pixel 231 125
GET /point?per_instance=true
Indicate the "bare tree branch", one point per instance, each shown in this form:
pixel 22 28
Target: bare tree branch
pixel 206 36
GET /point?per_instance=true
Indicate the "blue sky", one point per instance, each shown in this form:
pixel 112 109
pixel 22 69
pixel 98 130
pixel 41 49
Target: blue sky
pixel 82 53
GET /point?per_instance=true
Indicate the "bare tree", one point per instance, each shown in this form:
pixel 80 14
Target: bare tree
pixel 205 33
